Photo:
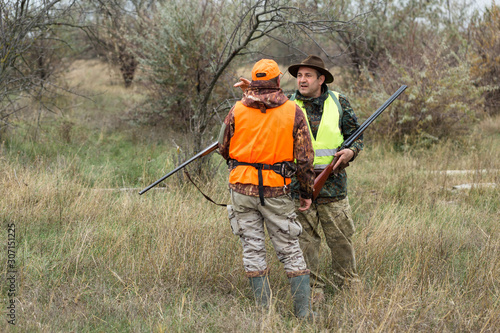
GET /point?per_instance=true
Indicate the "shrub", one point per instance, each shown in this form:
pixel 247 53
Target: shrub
pixel 485 57
pixel 440 102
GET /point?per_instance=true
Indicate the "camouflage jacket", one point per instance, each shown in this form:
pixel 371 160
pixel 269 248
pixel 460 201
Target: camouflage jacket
pixel 266 95
pixel 335 187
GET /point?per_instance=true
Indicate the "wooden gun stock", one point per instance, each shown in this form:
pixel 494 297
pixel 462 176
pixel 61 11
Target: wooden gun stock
pixel 320 180
pixel 323 176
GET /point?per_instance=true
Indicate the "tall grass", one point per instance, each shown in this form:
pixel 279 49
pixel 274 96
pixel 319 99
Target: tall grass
pixel 91 259
pixel 97 260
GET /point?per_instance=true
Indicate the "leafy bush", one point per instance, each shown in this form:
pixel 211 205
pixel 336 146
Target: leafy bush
pixel 485 57
pixel 388 25
pixel 177 55
pixel 439 103
pixel 422 45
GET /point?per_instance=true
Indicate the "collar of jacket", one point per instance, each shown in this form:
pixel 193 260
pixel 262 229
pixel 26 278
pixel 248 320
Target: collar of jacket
pixel 314 100
pixel 263 95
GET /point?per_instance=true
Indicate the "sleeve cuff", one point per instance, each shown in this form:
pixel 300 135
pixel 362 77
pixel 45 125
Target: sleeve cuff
pixel 305 195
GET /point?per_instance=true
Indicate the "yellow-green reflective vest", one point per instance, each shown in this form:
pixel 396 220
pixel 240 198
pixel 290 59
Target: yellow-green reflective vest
pixel 329 136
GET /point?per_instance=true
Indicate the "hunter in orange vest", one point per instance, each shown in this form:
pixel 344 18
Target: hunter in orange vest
pixel 262 137
pixel 331 119
pixel 265 139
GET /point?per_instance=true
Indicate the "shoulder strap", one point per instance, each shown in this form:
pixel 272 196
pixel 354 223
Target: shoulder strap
pixel 339 107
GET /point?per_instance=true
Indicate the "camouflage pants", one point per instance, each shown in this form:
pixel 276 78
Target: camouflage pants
pixel 338 227
pixel 248 218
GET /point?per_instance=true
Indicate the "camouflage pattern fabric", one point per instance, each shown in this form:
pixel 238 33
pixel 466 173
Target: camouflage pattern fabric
pixel 248 218
pixel 336 220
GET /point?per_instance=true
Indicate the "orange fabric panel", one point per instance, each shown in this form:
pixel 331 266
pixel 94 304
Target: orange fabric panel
pixel 261 138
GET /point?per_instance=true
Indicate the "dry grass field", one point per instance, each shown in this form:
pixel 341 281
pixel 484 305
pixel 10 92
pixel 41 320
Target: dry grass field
pixel 92 259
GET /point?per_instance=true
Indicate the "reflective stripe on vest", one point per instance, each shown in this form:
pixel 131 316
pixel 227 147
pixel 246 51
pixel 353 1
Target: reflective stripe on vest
pixel 329 136
pixel 261 138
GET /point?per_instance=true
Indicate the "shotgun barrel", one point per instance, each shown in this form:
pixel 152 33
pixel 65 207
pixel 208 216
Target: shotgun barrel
pixel 323 176
pixel 204 152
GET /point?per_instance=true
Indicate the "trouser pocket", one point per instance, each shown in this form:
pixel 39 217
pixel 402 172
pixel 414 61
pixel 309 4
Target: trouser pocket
pixel 235 225
pixel 294 226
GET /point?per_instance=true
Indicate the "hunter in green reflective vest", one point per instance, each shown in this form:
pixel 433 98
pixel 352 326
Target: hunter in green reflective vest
pixel 330 119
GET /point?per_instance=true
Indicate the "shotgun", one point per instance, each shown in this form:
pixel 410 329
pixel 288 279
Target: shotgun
pixel 204 152
pixel 323 176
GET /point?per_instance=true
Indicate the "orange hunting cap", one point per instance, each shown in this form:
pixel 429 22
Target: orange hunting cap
pixel 265 69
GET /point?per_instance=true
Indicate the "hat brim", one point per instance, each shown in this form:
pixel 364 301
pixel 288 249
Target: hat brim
pixel 294 69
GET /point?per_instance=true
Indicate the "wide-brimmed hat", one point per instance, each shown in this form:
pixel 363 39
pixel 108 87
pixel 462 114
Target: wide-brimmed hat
pixel 313 62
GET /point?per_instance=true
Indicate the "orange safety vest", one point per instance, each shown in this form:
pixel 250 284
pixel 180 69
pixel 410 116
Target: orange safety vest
pixel 260 137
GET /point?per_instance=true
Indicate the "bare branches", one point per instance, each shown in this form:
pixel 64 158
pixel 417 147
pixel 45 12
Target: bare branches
pixel 190 46
pixel 264 19
pixel 27 43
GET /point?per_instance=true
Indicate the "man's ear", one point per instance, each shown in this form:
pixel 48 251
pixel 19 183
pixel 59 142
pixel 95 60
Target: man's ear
pixel 279 81
pixel 321 79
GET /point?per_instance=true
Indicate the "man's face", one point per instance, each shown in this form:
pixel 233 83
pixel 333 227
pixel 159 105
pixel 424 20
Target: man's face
pixel 308 82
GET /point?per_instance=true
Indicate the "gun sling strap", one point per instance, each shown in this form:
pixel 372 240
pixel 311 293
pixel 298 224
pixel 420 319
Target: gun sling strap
pixel 285 169
pixel 206 196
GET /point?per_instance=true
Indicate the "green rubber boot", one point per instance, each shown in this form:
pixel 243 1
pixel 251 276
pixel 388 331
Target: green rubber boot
pixel 301 293
pixel 261 290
